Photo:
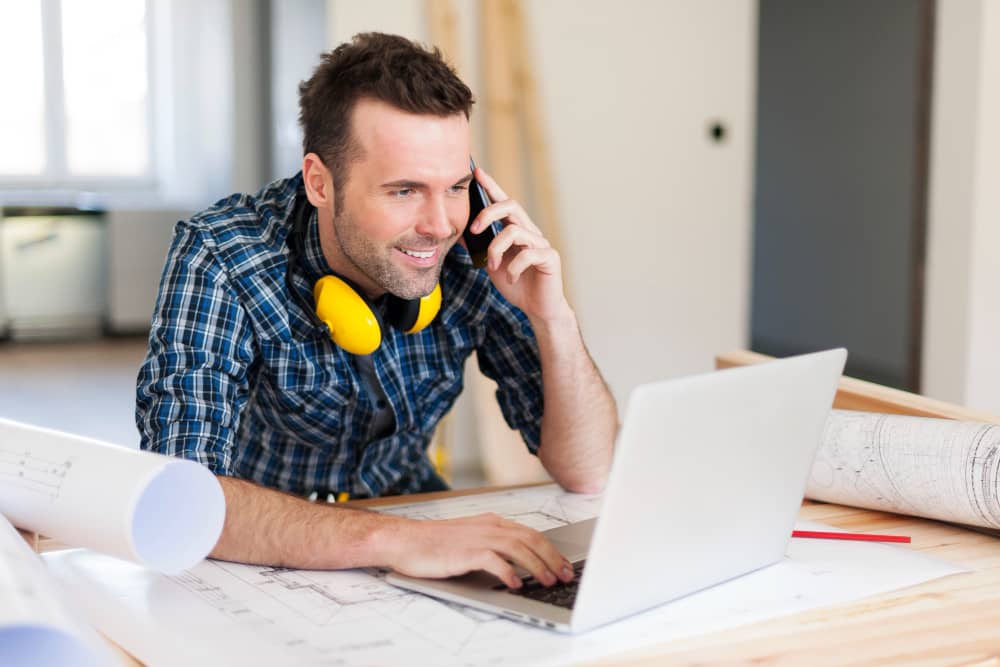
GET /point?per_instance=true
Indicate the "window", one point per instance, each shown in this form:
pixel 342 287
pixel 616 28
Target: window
pixel 76 92
pixel 22 116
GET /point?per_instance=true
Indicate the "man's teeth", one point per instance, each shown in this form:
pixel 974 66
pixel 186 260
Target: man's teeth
pixel 419 255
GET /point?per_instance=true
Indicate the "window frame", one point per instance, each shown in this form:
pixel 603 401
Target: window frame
pixel 55 176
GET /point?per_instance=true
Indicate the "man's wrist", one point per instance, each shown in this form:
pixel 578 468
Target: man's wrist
pixel 556 325
pixel 383 539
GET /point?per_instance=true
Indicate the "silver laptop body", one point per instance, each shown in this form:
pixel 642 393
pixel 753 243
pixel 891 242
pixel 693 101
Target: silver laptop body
pixel 706 484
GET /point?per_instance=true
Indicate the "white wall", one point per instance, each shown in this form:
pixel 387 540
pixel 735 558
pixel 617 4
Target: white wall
pixel 961 357
pixel 656 218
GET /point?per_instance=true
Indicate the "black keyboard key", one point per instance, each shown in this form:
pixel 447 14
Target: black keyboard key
pixel 560 595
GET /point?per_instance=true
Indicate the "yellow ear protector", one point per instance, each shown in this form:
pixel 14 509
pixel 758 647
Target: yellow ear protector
pixel 355 323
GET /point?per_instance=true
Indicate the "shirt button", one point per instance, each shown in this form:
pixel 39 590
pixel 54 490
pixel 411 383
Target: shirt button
pixel 381 404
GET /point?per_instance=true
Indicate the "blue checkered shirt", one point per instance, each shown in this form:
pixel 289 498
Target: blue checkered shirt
pixel 243 378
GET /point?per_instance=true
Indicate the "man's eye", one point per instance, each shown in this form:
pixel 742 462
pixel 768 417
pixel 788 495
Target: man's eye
pixel 405 192
pixel 455 189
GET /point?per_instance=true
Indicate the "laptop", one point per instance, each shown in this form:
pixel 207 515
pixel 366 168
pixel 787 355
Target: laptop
pixel 706 484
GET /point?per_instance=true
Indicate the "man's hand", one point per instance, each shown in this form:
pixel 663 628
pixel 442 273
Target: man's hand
pixel 269 527
pixel 525 268
pixel 456 546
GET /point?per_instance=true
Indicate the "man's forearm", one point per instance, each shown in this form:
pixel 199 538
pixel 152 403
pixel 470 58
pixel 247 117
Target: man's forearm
pixel 264 526
pixel 580 420
pixel 267 527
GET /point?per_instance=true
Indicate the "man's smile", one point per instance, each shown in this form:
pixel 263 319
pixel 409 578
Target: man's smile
pixel 422 257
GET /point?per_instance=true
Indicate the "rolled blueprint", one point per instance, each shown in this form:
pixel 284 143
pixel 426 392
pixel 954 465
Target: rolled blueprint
pixel 162 512
pixel 36 626
pixel 934 468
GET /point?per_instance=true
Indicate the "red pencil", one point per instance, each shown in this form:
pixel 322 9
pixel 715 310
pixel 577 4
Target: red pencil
pixel 865 537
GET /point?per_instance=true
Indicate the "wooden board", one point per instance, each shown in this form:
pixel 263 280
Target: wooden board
pixel 870 397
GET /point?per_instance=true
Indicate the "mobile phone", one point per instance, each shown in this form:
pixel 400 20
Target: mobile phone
pixel 478 243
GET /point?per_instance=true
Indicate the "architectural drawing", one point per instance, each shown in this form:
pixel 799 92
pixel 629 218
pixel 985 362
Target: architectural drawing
pixel 112 499
pixel 32 472
pixel 934 468
pixel 229 613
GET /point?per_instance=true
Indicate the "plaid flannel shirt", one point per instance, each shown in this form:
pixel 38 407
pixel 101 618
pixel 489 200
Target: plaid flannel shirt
pixel 242 378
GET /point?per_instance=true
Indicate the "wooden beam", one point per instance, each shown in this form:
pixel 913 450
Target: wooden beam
pixel 535 143
pixel 503 136
pixel 855 394
pixel 442 28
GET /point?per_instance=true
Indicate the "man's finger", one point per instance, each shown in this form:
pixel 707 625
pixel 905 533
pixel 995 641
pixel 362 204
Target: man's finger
pixel 553 559
pixel 493 189
pixel 510 211
pixel 515 550
pixel 545 260
pixel 490 562
pixel 544 549
pixel 510 237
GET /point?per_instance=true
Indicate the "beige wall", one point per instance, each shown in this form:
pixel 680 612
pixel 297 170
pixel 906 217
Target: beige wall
pixel 961 356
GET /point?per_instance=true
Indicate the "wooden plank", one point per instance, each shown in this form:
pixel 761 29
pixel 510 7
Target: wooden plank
pixel 855 394
pixel 503 137
pixel 542 183
pixel 505 458
pixel 442 27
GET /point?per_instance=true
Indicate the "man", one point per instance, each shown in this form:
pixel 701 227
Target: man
pixel 242 376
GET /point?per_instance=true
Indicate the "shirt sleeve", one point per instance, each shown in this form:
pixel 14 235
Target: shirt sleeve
pixel 193 382
pixel 509 356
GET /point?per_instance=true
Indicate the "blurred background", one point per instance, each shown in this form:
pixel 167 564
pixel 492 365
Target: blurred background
pixel 776 175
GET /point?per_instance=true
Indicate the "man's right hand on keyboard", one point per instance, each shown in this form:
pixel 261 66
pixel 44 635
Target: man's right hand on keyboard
pixel 451 547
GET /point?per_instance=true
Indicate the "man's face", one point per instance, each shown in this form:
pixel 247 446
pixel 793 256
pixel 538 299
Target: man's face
pixel 405 200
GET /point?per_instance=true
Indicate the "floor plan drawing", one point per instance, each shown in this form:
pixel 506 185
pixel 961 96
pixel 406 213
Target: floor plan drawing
pixel 230 613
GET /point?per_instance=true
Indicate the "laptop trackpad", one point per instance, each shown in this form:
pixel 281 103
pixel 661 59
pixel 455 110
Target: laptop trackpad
pixel 572 540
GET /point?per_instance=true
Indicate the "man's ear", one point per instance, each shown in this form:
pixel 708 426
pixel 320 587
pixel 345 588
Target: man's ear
pixel 318 181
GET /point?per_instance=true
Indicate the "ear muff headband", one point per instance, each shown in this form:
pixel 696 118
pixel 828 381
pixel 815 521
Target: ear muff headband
pixel 428 310
pixel 412 315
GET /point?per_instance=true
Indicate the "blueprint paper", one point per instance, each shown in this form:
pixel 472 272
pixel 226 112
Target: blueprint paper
pixel 36 628
pixel 934 468
pixel 226 613
pixel 164 512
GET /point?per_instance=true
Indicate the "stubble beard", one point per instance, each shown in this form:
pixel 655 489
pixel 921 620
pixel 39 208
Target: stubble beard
pixel 376 262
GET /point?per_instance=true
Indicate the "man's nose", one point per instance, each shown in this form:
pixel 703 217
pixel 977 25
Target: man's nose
pixel 435 221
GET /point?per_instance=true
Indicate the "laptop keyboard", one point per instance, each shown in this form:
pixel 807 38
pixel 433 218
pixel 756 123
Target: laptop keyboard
pixel 561 594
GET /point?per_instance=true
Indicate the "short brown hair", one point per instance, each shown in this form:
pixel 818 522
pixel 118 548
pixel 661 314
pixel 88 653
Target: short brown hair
pixel 388 68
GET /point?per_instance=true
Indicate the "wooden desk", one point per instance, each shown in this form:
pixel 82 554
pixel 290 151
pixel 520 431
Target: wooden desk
pixel 951 621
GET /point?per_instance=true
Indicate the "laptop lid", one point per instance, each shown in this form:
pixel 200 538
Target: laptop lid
pixel 706 484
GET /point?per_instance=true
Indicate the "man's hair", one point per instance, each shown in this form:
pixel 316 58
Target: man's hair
pixel 387 68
